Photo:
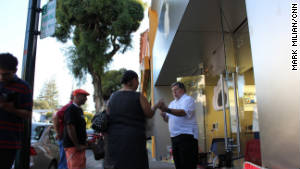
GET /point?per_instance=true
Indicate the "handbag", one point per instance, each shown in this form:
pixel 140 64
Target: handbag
pixel 100 122
pixel 98 149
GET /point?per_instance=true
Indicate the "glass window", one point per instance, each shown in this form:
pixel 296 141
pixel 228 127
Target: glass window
pixel 36 132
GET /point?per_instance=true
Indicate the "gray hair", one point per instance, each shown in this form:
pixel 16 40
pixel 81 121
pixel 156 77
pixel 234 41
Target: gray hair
pixel 179 84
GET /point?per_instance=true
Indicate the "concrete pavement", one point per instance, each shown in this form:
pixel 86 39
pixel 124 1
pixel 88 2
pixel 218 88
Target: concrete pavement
pixel 91 163
pixel 160 165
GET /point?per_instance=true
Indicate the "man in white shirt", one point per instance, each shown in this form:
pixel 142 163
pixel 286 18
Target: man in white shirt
pixel 181 117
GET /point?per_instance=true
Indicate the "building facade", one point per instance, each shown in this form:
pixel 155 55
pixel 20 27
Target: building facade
pixel 238 59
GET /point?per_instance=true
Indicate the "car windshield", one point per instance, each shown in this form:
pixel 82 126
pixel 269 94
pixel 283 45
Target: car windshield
pixel 37 131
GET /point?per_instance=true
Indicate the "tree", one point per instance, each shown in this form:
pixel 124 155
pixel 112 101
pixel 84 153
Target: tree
pixel 49 116
pixel 111 81
pixel 40 104
pixel 99 29
pixel 48 98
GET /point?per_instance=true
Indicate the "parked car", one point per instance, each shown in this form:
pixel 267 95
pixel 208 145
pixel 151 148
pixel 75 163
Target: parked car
pixel 44 150
pixel 92 136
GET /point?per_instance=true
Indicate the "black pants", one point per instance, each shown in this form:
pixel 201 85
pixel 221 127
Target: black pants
pixel 7 158
pixel 185 151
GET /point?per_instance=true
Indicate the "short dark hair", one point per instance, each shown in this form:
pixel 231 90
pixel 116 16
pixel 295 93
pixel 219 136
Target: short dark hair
pixel 8 61
pixel 128 76
pixel 179 84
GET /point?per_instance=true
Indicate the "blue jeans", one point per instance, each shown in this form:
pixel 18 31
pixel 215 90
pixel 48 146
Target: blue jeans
pixel 62 156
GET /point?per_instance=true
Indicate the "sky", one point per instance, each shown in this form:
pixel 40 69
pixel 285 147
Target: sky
pixel 50 58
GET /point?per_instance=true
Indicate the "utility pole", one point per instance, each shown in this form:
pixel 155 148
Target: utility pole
pixel 28 68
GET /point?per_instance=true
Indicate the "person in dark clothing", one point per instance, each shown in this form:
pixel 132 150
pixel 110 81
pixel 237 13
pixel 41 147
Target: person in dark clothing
pixel 74 135
pixel 126 136
pixel 15 107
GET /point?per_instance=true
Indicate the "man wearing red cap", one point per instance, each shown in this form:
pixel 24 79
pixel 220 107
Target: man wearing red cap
pixel 74 138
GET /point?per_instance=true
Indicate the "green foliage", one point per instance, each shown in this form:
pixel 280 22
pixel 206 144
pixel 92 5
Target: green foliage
pixel 100 29
pixel 111 81
pixel 48 98
pixel 40 104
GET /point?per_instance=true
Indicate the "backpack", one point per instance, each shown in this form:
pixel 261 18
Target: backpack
pixel 100 122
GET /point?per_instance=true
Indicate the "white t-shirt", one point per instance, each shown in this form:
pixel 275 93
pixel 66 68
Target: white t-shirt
pixel 183 124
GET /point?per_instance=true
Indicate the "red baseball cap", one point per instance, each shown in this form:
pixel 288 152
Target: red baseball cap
pixel 80 91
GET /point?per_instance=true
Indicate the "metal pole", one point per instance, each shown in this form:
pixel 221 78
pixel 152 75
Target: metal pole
pixel 28 68
pixel 224 111
pixel 237 115
pixel 227 78
pixel 30 43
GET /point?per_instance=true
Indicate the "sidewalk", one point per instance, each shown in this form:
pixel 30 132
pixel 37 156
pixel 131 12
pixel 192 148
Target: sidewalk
pixel 160 165
pixel 91 163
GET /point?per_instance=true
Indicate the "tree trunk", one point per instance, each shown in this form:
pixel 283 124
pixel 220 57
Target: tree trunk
pixel 97 92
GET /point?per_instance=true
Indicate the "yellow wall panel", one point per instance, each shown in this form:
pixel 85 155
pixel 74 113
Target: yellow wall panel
pixel 214 118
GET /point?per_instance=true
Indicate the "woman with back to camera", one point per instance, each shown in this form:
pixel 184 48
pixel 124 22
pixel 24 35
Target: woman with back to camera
pixel 125 137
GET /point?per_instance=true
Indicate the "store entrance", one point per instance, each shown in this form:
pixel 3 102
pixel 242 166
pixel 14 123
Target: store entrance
pixel 231 118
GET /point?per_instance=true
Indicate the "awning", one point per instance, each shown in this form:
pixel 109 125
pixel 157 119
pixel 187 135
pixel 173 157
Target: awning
pixel 190 35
